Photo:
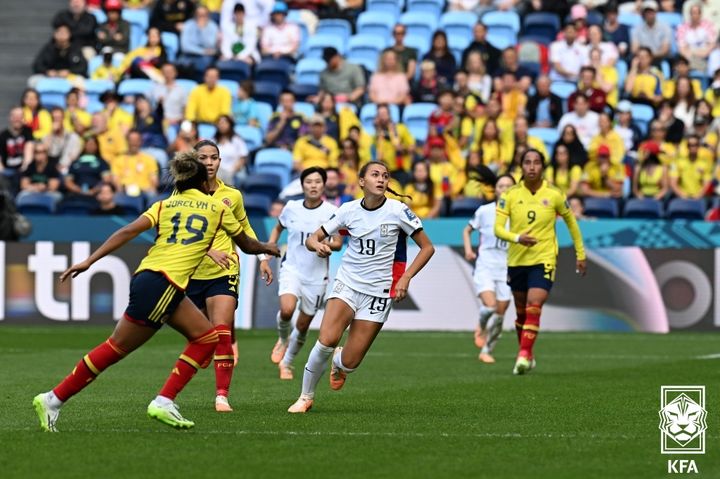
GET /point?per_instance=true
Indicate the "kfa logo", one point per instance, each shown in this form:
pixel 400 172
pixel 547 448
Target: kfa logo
pixel 683 422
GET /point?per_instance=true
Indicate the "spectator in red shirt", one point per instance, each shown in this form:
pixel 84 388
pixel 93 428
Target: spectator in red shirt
pixel 588 86
pixel 443 116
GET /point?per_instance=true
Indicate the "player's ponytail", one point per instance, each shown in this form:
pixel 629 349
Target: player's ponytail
pixel 187 171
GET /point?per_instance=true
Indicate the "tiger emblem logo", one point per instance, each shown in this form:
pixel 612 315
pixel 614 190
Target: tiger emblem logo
pixel 683 420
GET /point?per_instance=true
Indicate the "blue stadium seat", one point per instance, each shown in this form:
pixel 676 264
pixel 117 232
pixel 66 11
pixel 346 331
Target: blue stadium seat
pixel 317 43
pixel 334 26
pixel 642 115
pixel 340 106
pixel 234 70
pixel 415 116
pixel 252 136
pixel 419 42
pixel 137 33
pixel 206 131
pixel 541 26
pixel 171 42
pixel 368 112
pixel 36 204
pixel 265 111
pixel 276 71
pixel 52 91
pixel 563 89
pixel 458 41
pixel 501 38
pixel 367 63
pixel 458 24
pixel 186 84
pixel 465 207
pixel 268 184
pixel 99 15
pixel 702 77
pixel 308 70
pixel 622 70
pixel 230 85
pixel 549 136
pixel 135 86
pixel 95 88
pixel 138 17
pixel 671 19
pixel 76 206
pixel 431 8
pixel 630 19
pixel 686 209
pixel 646 208
pixel 302 90
pixel 376 23
pixel 419 23
pixel 95 62
pixel 508 19
pixel 602 207
pixel 366 46
pixel 133 205
pixel 388 7
pixel 163 195
pixel 267 92
pixel 256 205
pixel 304 108
pixel 275 156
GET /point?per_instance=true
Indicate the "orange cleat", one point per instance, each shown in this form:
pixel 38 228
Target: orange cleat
pixel 337 375
pixel 480 337
pixel 278 352
pixel 486 358
pixel 222 404
pixel 235 353
pixel 302 405
pixel 286 371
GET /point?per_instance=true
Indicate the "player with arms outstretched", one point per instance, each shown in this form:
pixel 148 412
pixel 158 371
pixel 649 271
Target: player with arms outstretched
pixel 490 276
pixel 185 224
pixel 303 274
pixel 371 276
pixel 532 207
pixel 214 285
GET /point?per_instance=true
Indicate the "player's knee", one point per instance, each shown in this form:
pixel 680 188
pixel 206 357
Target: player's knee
pixel 286 314
pixel 489 306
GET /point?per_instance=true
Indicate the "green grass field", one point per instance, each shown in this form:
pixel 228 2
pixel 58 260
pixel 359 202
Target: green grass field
pixel 421 405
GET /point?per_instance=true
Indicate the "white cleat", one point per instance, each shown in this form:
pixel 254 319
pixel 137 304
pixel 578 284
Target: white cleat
pixel 302 405
pixel 48 416
pixel 222 404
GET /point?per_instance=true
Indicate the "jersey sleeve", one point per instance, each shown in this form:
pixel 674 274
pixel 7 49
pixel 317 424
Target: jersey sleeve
pixel 242 217
pixel 502 214
pixel 563 209
pixel 228 222
pixel 153 213
pixel 336 221
pixel 283 217
pixel 475 220
pixel 409 221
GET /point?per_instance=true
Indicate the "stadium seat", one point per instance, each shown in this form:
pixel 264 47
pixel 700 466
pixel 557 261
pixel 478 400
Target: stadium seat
pixel 622 70
pixel 267 92
pixel 686 209
pixel 252 136
pixel 701 77
pixel 230 85
pixel 186 84
pixel 368 64
pixel 171 42
pixel 630 19
pixel 501 38
pixel 594 18
pixel 530 51
pixel 234 70
pixel 352 106
pixel 265 111
pixel 541 25
pixel 95 88
pixel 52 91
pixel 457 41
pixel 549 136
pixel 99 15
pixel 206 131
pixel 387 7
pixel 302 91
pixel 307 70
pixel 508 19
pixel 420 42
pixel 275 156
pixel 431 8
pixel 465 207
pixel 563 89
pixel 317 43
pixel 268 184
pixel 133 205
pixel 366 46
pixel 671 19
pixel 256 205
pixel 36 204
pixel 138 17
pixel 135 86
pixel 304 108
pixel 275 71
pixel 378 24
pixel 646 208
pixel 458 24
pixel 642 115
pixel 76 206
pixel 336 27
pixel 163 195
pixel 95 62
pixel 417 114
pixel 419 23
pixel 368 112
pixel 602 207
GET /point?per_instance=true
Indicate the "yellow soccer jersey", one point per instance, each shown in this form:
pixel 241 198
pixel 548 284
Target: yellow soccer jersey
pixel 186 223
pixel 536 214
pixel 232 198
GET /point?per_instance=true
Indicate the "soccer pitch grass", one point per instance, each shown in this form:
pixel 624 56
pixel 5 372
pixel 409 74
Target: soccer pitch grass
pixel 421 405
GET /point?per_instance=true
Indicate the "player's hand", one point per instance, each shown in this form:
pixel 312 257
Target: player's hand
pixel 470 255
pixel 401 288
pixel 266 272
pixel 581 267
pixel 272 249
pixel 75 270
pixel 527 240
pixel 323 250
pixel 221 258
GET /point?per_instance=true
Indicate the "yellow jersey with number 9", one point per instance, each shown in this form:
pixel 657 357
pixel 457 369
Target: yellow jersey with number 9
pixel 536 215
pixel 186 224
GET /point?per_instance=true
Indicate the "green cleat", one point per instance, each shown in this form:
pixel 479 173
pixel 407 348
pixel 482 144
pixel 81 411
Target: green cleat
pixel 168 414
pixel 47 415
pixel 522 365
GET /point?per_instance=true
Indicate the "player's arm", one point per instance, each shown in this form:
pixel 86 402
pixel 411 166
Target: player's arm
pixel 467 242
pixel 335 242
pixel 248 245
pixel 501 217
pixel 316 243
pixel 275 233
pixel 564 210
pixel 241 215
pixel 120 237
pixel 427 250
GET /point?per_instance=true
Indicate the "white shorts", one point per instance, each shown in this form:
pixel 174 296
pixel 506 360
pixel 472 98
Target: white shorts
pixel 494 280
pixel 311 296
pixel 369 308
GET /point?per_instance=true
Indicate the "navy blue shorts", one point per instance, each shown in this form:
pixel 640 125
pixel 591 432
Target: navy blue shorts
pixel 522 278
pixel 153 299
pixel 199 290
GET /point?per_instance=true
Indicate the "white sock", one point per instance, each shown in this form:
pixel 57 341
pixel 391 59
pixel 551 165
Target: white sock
pixel 494 327
pixel 314 369
pixel 163 401
pixel 53 401
pixel 337 362
pixel 283 328
pixel 297 339
pixel 485 314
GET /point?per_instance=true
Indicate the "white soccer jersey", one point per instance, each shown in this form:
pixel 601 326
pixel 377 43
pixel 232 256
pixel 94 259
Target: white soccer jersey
pixel 300 222
pixel 492 252
pixel 378 240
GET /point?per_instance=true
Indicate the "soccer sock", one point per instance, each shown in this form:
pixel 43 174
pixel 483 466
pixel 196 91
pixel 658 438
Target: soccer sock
pixel 283 328
pixel 485 314
pixel 337 362
pixel 530 329
pixel 223 361
pixel 519 322
pixel 297 339
pixel 197 355
pixel 494 329
pixel 89 367
pixel 314 368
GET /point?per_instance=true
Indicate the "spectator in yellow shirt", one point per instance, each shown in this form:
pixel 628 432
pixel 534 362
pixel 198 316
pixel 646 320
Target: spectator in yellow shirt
pixel 607 136
pixel 643 84
pixel 35 117
pixel 421 191
pixel 651 178
pixel 393 142
pixel 561 174
pixel 512 96
pixel 601 178
pixel 118 119
pixel 111 142
pixel 76 119
pixel 208 101
pixel 523 138
pixel 691 174
pixel 135 173
pixel 496 154
pixel 315 149
pixel 448 179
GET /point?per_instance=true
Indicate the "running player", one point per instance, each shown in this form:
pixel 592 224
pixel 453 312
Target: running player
pixel 371 276
pixel 490 276
pixel 186 224
pixel 303 275
pixel 531 208
pixel 214 285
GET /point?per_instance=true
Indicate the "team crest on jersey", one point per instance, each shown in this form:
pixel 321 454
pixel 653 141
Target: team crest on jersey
pixel 502 203
pixel 226 201
pixel 545 202
pixel 384 230
pixel 410 215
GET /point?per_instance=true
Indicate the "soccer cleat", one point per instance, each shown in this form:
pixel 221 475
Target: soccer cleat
pixel 337 375
pixel 278 351
pixel 168 414
pixel 235 353
pixel 286 371
pixel 522 365
pixel 480 337
pixel 302 405
pixel 486 358
pixel 47 415
pixel 222 404
pixel 532 364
